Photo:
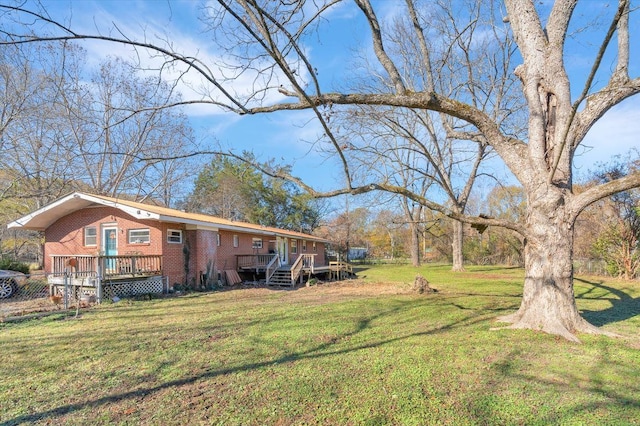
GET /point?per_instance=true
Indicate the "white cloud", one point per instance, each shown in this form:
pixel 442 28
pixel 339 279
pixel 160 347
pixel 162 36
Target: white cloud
pixel 616 133
pixel 176 32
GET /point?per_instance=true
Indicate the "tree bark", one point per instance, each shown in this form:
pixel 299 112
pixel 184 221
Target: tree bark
pixel 415 244
pixel 456 246
pixel 548 302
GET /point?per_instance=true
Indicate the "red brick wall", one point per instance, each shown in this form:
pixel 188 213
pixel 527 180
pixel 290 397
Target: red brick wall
pixel 319 252
pixel 173 256
pixel 66 236
pixel 227 253
pixel 203 249
pixel 201 246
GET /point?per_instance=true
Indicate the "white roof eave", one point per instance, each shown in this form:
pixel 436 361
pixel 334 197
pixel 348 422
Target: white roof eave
pixel 44 217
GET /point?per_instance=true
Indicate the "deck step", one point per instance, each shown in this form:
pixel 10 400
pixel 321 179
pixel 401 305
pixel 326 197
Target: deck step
pixel 281 278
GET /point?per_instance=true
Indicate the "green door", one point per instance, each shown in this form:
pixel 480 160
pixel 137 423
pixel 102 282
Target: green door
pixel 110 244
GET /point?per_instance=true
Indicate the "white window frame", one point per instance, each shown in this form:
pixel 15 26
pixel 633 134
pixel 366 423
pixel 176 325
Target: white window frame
pixel 218 240
pixel 174 236
pixel 138 240
pixel 256 243
pixel 94 236
pixel 236 241
pixel 315 247
pixel 294 246
pixel 304 246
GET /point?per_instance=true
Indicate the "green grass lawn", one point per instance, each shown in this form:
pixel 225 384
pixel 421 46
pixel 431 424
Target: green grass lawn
pixel 364 352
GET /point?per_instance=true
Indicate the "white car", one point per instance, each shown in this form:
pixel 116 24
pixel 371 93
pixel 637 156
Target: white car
pixel 9 281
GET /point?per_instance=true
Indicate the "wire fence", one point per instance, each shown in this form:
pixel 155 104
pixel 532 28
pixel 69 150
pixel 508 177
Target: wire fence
pixel 25 293
pixel 22 294
pixel 590 267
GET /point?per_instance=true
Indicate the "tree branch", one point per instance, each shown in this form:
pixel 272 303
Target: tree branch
pixel 591 195
pixel 192 62
pixel 378 46
pixel 599 103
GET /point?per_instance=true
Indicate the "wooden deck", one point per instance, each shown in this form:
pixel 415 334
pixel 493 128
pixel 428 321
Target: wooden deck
pixel 340 270
pixel 287 275
pixel 106 276
pixel 254 262
pixel 111 267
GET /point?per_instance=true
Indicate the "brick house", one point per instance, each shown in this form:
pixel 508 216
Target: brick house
pixel 104 237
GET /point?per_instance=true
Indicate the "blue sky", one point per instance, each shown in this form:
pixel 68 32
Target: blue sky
pixel 282 136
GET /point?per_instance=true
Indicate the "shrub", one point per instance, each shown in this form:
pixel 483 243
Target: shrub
pixel 14 265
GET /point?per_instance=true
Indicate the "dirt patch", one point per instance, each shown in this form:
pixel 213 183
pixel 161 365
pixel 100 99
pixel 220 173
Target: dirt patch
pixel 338 290
pixel 485 276
pixel 23 307
pixel 321 292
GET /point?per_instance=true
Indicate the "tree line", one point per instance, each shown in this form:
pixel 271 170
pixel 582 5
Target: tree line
pixel 67 126
pixel 607 233
pixel 441 91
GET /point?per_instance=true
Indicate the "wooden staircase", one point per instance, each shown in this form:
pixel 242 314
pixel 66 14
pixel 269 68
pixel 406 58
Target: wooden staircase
pixel 282 278
pixel 285 275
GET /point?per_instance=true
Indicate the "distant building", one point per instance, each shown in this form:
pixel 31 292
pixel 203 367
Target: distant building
pixel 357 253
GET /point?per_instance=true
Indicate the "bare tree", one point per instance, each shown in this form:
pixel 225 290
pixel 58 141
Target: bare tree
pixel 108 131
pixel 267 40
pixel 506 202
pixel 408 149
pixel 461 61
pixel 619 242
pixel 82 133
pixel 33 168
pixel 61 132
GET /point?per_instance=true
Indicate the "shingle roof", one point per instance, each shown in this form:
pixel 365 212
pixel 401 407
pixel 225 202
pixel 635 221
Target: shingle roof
pixel 42 218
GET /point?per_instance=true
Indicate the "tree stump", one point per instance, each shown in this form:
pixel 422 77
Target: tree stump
pixel 421 285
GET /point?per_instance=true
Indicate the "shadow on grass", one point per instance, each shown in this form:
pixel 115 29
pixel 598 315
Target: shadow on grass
pixel 482 408
pixel 482 268
pixel 618 401
pixel 623 306
pixel 320 350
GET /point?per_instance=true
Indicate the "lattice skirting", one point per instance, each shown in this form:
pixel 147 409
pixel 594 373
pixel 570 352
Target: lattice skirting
pixel 153 285
pixel 74 291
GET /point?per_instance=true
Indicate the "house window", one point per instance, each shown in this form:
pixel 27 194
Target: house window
pixel 218 240
pixel 236 241
pixel 257 243
pixel 314 247
pixel 304 245
pixel 294 246
pixel 174 236
pixel 139 236
pixel 90 236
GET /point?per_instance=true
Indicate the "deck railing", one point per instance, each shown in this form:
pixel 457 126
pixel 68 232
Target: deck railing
pixel 131 265
pixel 308 261
pixel 107 266
pixel 303 262
pixel 340 270
pixel 254 261
pixel 296 268
pixel 79 265
pixel 272 267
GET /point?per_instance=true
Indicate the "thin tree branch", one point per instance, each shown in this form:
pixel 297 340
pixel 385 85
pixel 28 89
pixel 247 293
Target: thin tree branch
pixel 593 194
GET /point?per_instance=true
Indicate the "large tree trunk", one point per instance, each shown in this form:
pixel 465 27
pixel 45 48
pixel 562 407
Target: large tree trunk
pixel 415 244
pixel 456 245
pixel 548 302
